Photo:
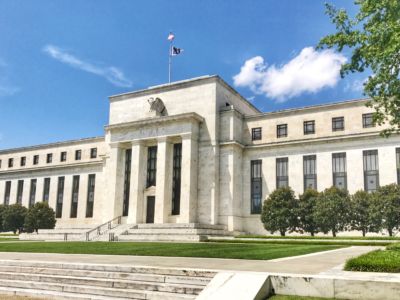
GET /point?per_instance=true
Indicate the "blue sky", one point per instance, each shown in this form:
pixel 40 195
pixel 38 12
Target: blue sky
pixel 60 60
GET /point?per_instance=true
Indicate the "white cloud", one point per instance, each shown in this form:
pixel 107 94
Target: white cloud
pixel 112 74
pixel 310 71
pixel 356 85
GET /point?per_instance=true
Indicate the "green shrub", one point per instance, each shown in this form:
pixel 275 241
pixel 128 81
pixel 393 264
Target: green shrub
pixel 376 261
pixel 363 216
pixel 13 217
pixel 279 211
pixel 2 209
pixel 305 212
pixel 387 204
pixel 39 216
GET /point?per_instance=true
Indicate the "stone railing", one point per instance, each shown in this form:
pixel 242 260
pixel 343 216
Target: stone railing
pixel 99 230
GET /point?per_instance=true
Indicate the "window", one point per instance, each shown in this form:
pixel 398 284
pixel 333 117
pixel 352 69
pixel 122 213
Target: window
pixel 63 156
pixel 176 179
pixel 20 189
pixel 338 124
pixel 256 134
pixel 32 193
pixel 35 159
pixel 371 170
pixel 151 166
pixel 10 162
pixel 90 196
pixel 23 161
pixel 60 196
pixel 75 197
pixel 368 120
pixel 0 163
pixel 281 130
pixel 93 153
pixel 282 178
pixel 398 164
pixel 339 170
pixel 46 190
pixel 127 182
pixel 256 186
pixel 7 193
pixel 309 170
pixel 78 154
pixel 309 127
pixel 49 158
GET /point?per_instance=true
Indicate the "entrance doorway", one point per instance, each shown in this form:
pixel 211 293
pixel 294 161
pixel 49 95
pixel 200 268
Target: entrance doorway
pixel 151 203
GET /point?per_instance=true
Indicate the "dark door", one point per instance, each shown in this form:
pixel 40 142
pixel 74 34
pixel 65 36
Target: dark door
pixel 151 202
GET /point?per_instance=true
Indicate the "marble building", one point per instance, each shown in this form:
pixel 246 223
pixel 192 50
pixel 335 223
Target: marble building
pixel 196 151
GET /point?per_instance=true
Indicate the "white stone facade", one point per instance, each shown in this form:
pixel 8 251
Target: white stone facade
pixel 213 124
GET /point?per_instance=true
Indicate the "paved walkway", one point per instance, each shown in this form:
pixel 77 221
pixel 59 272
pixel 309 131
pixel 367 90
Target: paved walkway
pixel 314 263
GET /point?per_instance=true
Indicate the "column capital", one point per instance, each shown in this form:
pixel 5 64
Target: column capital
pixel 137 143
pixel 188 136
pixel 163 139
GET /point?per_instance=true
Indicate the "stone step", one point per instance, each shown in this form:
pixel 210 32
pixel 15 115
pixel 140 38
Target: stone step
pixel 161 238
pixel 180 225
pixel 108 283
pixel 178 231
pixel 108 275
pixel 90 291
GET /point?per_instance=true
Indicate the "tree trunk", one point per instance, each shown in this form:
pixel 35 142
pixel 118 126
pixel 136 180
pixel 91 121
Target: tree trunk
pixel 390 230
pixel 333 233
pixel 283 233
pixel 312 233
pixel 363 232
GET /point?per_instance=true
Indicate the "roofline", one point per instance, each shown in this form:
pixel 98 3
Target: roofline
pixel 179 84
pixel 310 107
pixel 49 145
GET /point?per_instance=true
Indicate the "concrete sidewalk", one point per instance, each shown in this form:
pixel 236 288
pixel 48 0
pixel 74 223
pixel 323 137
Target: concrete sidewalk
pixel 314 263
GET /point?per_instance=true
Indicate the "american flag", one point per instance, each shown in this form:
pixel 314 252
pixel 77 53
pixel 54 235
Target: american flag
pixel 171 37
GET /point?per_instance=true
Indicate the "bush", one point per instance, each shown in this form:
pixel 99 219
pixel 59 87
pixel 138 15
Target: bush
pixel 387 203
pixel 14 217
pixel 2 209
pixel 363 217
pixel 279 211
pixel 305 212
pixel 332 210
pixel 40 216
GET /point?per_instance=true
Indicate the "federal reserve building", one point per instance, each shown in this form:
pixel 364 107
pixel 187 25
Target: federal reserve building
pixel 195 157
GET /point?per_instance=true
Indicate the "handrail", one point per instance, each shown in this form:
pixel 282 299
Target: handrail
pixel 98 228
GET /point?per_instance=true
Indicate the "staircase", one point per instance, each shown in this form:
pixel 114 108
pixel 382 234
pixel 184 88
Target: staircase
pixel 56 280
pixel 188 232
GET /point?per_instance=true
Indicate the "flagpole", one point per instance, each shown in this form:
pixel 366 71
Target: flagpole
pixel 169 62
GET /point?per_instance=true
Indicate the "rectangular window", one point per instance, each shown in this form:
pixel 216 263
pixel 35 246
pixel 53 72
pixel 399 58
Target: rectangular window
pixel 151 166
pixel 398 164
pixel 20 190
pixel 60 196
pixel 339 170
pixel 338 124
pixel 23 161
pixel 35 159
pixel 309 127
pixel 49 158
pixel 7 193
pixel 176 179
pixel 127 182
pixel 0 163
pixel 256 186
pixel 46 190
pixel 93 153
pixel 309 171
pixel 256 134
pixel 75 197
pixel 368 120
pixel 281 130
pixel 90 196
pixel 32 193
pixel 371 170
pixel 282 177
pixel 10 162
pixel 78 154
pixel 63 156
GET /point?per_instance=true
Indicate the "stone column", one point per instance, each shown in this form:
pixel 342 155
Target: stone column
pixel 188 213
pixel 114 183
pixel 163 181
pixel 138 172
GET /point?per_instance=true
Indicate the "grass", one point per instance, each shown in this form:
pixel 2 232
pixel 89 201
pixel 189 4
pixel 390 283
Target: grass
pixel 308 237
pixel 8 235
pixel 387 261
pixel 212 250
pixel 283 297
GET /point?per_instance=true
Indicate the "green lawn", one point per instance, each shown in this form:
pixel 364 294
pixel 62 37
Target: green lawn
pixel 214 250
pixel 282 297
pixel 308 237
pixel 387 261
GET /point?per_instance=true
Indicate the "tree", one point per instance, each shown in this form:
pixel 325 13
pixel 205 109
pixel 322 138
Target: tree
pixel 332 210
pixel 363 217
pixel 305 211
pixel 279 211
pixel 2 208
pixel 373 36
pixel 40 216
pixel 387 199
pixel 13 217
